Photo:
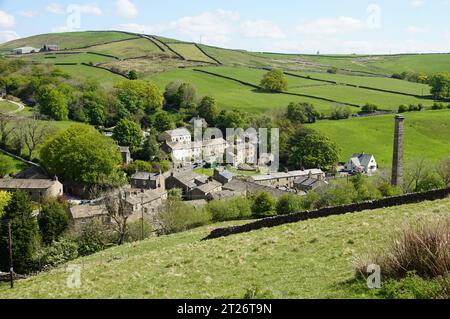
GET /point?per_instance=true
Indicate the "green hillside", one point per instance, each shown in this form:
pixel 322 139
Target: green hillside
pixel 311 259
pixel 67 40
pixel 127 49
pixel 427 134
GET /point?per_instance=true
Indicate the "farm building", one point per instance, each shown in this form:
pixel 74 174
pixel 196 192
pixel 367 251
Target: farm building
pixel 185 180
pixel 205 191
pixel 146 180
pixel 25 50
pixel 174 136
pixel 362 163
pixel 50 47
pixel 37 189
pixel 309 183
pixel 286 180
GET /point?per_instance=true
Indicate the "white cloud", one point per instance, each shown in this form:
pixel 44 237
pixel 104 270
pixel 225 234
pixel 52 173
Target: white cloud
pixel 126 9
pixel 55 8
pixel 6 20
pixel 416 3
pixel 215 27
pixel 29 14
pixel 262 29
pixel 6 36
pixel 91 8
pixel 415 29
pixel 331 26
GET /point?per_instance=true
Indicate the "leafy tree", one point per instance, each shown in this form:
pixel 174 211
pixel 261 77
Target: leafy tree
pixel 402 108
pixel 24 234
pixel 340 112
pixel 274 81
pixel 5 198
pixel 232 119
pixel 289 204
pixel 171 93
pixel 132 75
pixel 150 150
pixel 94 105
pixel 230 209
pixel 139 95
pixel 82 154
pixel 186 95
pixel 369 108
pixel 208 110
pixel 429 182
pixel 263 205
pixel 53 221
pixel 163 122
pixel 440 86
pixel 301 113
pixel 53 103
pixel 333 70
pixel 128 133
pixel 310 149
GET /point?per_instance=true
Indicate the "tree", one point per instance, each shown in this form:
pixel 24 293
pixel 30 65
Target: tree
pixel 94 106
pixel 208 110
pixel 310 149
pixel 35 133
pixel 301 113
pixel 139 95
pixel 128 133
pixel 340 112
pixel 289 204
pixel 163 122
pixel 24 234
pixel 82 154
pixel 403 108
pixel 274 81
pixel 186 95
pixel 263 205
pixel 443 170
pixel 150 150
pixel 6 128
pixel 440 86
pixel 116 209
pixel 232 119
pixel 369 108
pixel 53 102
pixel 5 198
pixel 53 221
pixel 171 93
pixel 6 165
pixel 132 75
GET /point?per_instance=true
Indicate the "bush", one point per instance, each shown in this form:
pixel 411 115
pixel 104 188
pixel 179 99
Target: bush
pixel 422 247
pixel 369 108
pixel 177 216
pixel 53 221
pixel 415 287
pixel 274 81
pixel 340 113
pixel 93 237
pixel 289 204
pixel 429 182
pixel 230 209
pixel 135 231
pixel 58 253
pixel 438 106
pixel 336 194
pixel 333 70
pixel 403 109
pixel 263 205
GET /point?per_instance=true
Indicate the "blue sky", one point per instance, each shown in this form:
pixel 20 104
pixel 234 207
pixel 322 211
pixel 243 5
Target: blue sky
pixel 345 26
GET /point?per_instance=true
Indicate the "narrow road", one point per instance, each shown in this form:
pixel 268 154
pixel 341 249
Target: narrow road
pixel 20 106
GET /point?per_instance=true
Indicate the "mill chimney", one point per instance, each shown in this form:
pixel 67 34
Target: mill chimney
pixel 397 164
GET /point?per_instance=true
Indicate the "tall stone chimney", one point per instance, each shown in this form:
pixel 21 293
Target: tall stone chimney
pixel 397 164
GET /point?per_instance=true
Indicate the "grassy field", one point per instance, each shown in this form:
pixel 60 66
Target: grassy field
pixel 17 165
pixel 311 259
pixel 373 82
pixel 190 52
pixel 53 58
pixel 427 134
pixel 127 49
pixel 7 107
pixel 104 77
pixel 70 40
pixel 232 95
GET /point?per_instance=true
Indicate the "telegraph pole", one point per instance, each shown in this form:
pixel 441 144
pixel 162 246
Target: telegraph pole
pixel 142 217
pixel 11 267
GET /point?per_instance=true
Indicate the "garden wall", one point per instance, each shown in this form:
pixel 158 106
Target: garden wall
pixel 330 211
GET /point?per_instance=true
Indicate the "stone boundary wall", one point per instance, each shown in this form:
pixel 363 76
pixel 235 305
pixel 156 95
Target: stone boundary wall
pixel 330 211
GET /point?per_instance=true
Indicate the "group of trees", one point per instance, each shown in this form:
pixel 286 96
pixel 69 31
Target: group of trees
pixel 29 236
pixel 440 82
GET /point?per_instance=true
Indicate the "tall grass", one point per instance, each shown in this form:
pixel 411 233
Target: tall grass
pixel 422 247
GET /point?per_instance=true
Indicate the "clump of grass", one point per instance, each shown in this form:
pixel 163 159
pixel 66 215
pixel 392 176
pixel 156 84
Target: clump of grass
pixel 422 247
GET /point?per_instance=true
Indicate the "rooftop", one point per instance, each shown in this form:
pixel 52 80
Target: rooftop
pixel 27 183
pixel 287 175
pixel 87 211
pixel 207 188
pixel 178 132
pixel 144 176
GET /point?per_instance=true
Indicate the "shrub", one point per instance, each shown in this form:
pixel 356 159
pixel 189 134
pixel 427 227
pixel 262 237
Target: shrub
pixel 415 287
pixel 429 182
pixel 369 108
pixel 333 70
pixel 58 253
pixel 274 81
pixel 135 230
pixel 6 165
pixel 263 205
pixel 230 209
pixel 422 247
pixel 403 109
pixel 53 221
pixel 289 204
pixel 93 237
pixel 340 113
pixel 336 194
pixel 437 106
pixel 177 216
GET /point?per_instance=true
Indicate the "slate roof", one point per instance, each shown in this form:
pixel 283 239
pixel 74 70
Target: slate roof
pixel 27 183
pixel 208 188
pixel 178 132
pixel 87 211
pixel 145 176
pixel 287 175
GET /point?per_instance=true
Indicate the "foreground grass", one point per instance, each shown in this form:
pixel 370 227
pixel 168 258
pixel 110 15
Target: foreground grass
pixel 311 259
pixel 427 134
pixel 7 107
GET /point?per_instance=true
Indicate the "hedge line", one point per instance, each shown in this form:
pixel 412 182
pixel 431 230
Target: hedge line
pixel 330 211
